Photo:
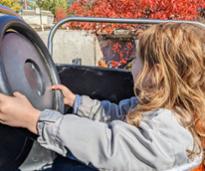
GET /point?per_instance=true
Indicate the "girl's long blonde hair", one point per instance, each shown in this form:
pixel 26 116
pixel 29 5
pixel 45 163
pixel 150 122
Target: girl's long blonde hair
pixel 173 76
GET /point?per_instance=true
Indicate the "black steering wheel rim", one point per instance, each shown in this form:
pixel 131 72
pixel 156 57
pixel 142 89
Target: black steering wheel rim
pixel 12 153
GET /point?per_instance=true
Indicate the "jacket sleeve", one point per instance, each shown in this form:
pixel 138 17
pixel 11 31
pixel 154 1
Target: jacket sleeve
pixel 104 111
pixel 117 146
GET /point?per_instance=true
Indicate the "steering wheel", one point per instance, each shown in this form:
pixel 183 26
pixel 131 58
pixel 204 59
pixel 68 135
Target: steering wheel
pixel 25 66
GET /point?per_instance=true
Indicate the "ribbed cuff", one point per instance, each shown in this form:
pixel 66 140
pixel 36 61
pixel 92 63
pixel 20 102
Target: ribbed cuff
pixel 76 104
pixel 48 130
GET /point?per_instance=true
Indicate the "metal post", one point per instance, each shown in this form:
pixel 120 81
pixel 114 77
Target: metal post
pixel 25 4
pixel 41 22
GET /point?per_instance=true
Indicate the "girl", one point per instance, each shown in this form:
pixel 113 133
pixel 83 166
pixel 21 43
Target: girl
pixel 159 129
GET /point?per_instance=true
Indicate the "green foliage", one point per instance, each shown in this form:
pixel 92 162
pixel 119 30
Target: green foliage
pixel 52 5
pixel 32 4
pixel 13 4
pixel 69 2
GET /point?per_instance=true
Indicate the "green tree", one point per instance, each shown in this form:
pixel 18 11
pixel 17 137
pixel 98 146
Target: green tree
pixel 52 5
pixel 13 4
pixel 32 4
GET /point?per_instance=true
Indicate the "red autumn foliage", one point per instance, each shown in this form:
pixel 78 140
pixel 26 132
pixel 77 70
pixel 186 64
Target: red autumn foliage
pixel 157 9
pixel 122 52
pixel 60 13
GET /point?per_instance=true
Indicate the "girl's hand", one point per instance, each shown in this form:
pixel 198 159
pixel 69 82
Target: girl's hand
pixel 69 96
pixel 17 111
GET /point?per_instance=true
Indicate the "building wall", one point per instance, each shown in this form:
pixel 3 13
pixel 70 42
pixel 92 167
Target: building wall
pixel 36 18
pixel 72 44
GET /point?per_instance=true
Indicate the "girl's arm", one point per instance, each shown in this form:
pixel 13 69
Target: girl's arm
pixel 94 109
pixel 104 111
pixel 159 143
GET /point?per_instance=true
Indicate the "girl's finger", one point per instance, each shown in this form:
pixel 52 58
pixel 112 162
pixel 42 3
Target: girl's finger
pixel 2 122
pixel 56 87
pixel 59 87
pixel 50 88
pixel 3 97
pixel 2 118
pixel 18 94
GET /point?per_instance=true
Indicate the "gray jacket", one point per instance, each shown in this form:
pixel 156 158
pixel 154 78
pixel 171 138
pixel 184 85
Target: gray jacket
pixel 96 135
